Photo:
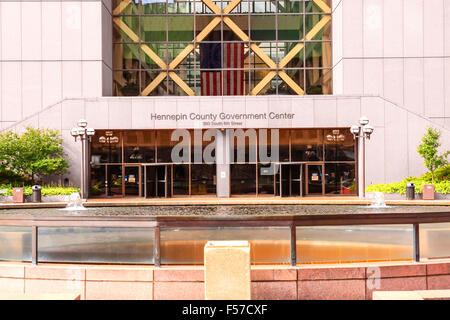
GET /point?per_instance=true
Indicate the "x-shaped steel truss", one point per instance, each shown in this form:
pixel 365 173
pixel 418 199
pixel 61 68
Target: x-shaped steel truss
pixel 238 31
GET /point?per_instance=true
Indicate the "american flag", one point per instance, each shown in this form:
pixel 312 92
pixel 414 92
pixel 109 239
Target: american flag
pixel 210 58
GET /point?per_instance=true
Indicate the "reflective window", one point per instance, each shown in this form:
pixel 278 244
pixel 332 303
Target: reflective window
pixel 223 48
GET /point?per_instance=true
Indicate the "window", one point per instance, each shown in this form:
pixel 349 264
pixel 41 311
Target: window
pixel 257 47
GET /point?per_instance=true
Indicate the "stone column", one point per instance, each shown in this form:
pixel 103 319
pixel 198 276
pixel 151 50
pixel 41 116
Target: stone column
pixel 223 164
pixel 227 270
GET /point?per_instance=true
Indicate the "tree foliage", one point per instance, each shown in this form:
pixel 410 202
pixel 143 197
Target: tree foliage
pixel 36 152
pixel 428 149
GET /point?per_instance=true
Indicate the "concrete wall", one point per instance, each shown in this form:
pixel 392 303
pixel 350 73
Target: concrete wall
pixel 337 282
pixel 49 51
pixel 395 49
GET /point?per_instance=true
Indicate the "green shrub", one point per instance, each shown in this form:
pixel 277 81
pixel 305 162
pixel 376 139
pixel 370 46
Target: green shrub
pixel 441 183
pixel 46 190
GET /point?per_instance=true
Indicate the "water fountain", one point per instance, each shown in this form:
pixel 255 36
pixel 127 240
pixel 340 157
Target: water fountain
pixel 378 200
pixel 75 203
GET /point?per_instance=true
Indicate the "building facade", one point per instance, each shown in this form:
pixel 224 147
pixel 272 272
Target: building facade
pixel 192 79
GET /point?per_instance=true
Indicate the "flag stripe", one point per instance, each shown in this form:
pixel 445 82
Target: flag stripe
pixel 232 83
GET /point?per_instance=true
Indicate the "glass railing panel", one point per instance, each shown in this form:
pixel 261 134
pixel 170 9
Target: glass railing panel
pixel 434 239
pixel 341 244
pixel 96 245
pixel 268 245
pixel 15 243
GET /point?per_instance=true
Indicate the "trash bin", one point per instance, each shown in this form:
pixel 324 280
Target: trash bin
pixel 18 195
pixel 36 196
pixel 428 192
pixel 410 191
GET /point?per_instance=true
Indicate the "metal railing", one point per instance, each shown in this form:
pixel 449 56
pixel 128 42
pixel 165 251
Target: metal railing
pixel 291 221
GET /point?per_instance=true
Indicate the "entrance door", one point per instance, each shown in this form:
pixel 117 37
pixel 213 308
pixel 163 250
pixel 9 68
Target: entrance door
pixel 132 177
pixel 314 179
pixel 157 181
pixel 291 177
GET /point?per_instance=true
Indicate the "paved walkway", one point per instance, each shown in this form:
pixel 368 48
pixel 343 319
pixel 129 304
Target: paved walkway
pixel 238 200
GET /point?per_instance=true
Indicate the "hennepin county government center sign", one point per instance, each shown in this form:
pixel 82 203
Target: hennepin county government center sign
pixel 222 118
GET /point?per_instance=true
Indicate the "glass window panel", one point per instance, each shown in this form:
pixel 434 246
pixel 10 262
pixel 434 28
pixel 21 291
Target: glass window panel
pixel 175 89
pixel 174 50
pixel 319 81
pixel 263 6
pixel 277 145
pixel 284 48
pixel 153 28
pixel 340 179
pixel 323 33
pixel 307 144
pixel 106 148
pixel 243 179
pixel 97 180
pixel 202 21
pixel 126 83
pixel 266 179
pixel 153 7
pixel 312 6
pixel 147 80
pixel 164 146
pixel 290 6
pixel 297 76
pixel 126 6
pixel 233 82
pixel 203 179
pixel 126 56
pixel 139 146
pixel 181 179
pixel 339 145
pixel 338 244
pixel 180 7
pixel 284 135
pixel 318 55
pixel 160 49
pixel 16 243
pixel 269 48
pixel 186 245
pixel 262 27
pixel 241 21
pixel 290 27
pixel 242 7
pixel 201 8
pixel 181 28
pixel 96 245
pixel 434 240
pixel 127 33
pixel 256 76
pixel 114 177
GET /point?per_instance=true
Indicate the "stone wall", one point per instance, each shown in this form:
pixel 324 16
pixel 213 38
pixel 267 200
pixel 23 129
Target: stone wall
pixel 348 282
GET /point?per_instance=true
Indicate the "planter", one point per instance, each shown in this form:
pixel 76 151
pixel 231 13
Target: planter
pixel 44 198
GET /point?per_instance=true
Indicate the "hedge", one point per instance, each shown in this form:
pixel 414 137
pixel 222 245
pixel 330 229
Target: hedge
pixel 46 190
pixel 441 183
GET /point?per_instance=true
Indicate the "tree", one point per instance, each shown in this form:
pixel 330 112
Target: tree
pixel 428 149
pixel 37 152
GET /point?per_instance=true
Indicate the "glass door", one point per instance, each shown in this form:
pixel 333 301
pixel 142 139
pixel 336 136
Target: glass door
pixel 314 179
pixel 132 177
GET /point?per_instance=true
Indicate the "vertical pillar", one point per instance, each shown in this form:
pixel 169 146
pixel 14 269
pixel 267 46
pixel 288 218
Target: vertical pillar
pixel 223 163
pixel 361 173
pixel 85 160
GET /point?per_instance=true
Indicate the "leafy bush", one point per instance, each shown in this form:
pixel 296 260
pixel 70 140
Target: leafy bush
pixel 46 190
pixel 441 183
pixel 33 154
